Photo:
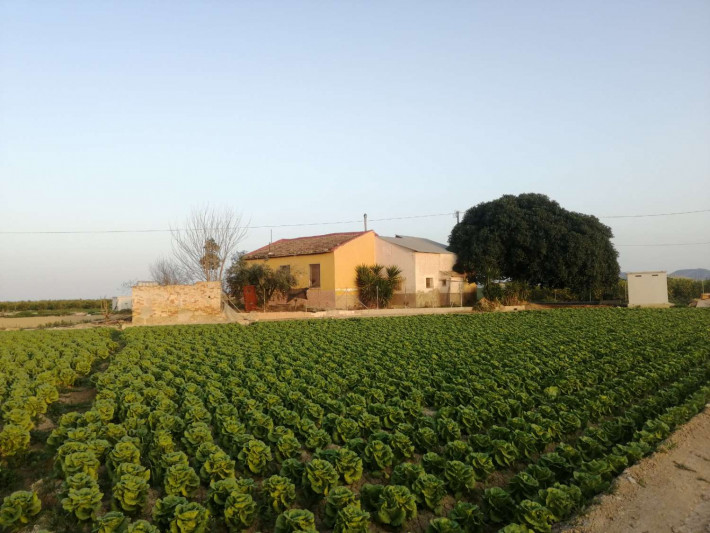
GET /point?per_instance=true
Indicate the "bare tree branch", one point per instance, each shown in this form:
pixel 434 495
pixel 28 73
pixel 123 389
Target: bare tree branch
pixel 206 240
pixel 167 272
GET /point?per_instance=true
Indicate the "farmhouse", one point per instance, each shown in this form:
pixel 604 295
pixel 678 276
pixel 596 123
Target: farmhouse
pixel 648 289
pixel 324 264
pixel 427 269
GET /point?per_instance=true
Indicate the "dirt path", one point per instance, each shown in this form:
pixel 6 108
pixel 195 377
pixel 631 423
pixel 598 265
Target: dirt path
pixel 668 492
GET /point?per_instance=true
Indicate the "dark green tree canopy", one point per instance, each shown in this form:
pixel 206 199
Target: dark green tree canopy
pixel 532 239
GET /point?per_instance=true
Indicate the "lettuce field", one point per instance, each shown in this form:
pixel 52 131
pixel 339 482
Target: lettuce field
pixel 459 423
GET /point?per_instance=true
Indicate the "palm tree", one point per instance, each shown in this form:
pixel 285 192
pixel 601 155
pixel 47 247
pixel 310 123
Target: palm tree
pixel 377 283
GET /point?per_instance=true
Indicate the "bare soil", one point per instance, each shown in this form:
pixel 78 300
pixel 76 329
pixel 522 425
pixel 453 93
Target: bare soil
pixel 667 492
pixel 36 321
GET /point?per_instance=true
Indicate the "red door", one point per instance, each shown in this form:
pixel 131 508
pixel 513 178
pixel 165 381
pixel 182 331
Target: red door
pixel 250 301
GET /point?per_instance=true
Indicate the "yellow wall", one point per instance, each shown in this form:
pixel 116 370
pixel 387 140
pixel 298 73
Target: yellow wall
pixel 300 268
pixel 351 254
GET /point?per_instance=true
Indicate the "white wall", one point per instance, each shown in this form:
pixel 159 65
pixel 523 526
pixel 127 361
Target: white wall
pixel 388 254
pixel 121 303
pixel 647 288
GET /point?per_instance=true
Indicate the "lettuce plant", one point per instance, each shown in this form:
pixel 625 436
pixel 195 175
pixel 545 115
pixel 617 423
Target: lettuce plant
pixel 433 463
pixel 181 479
pixel 142 526
pixel 504 453
pixel 123 452
pixel 443 525
pixel 535 516
pixel 112 522
pixel 482 465
pixel 401 445
pixel 287 446
pixel 561 500
pixel 196 434
pixel 429 490
pixel 378 455
pixel 19 508
pixel 320 476
pixel 84 503
pixel 338 498
pixel 218 466
pixel 523 486
pixel 77 462
pixel 396 505
pixel 255 456
pixel 352 519
pixel 426 438
pixel 406 474
pixel 205 450
pixel 239 511
pixel 164 510
pixel 280 492
pixel 318 438
pixel 130 493
pixel 459 477
pixel 295 520
pixel 349 465
pixel 469 516
pixel 499 504
pixel 190 518
pixel 14 440
pixel 132 469
pixel 370 496
pixel 293 469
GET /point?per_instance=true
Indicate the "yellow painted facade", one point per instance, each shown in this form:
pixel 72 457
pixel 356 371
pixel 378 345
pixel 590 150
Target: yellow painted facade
pixel 351 254
pixel 300 268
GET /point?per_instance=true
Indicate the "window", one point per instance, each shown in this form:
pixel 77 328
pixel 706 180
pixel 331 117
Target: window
pixel 285 269
pixel 443 283
pixel 429 283
pixel 315 275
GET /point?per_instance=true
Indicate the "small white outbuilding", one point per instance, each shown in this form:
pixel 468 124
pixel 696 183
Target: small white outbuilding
pixel 121 303
pixel 648 289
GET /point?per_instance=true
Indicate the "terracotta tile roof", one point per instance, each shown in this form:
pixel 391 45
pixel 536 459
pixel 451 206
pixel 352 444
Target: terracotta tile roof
pixel 318 244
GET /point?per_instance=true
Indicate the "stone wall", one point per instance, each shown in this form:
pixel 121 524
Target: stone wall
pixel 177 304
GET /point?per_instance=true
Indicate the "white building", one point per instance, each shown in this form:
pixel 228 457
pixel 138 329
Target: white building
pixel 427 270
pixel 647 289
pixel 120 303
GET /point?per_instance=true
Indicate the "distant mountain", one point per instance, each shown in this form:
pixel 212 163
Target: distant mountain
pixel 692 273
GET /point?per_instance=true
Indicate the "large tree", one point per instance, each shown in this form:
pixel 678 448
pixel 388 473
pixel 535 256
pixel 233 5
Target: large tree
pixel 532 239
pixel 204 241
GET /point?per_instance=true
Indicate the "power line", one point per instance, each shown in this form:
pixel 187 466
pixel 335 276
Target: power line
pixel 659 214
pixel 248 227
pixel 332 223
pixel 669 244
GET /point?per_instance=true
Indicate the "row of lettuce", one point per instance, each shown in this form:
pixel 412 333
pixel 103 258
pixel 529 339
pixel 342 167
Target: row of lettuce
pixel 34 366
pixel 476 423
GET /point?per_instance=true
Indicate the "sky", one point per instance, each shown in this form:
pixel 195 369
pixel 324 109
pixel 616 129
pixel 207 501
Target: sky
pixel 128 115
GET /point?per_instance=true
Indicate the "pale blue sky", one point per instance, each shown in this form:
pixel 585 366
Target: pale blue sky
pixel 125 115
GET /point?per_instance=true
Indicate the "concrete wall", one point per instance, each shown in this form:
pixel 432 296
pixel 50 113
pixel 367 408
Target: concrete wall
pixel 177 304
pixel 648 288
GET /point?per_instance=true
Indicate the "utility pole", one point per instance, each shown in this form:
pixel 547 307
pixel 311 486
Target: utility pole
pixel 457 212
pixel 364 217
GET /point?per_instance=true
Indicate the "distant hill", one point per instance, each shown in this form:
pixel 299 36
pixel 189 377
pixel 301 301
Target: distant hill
pixel 692 273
